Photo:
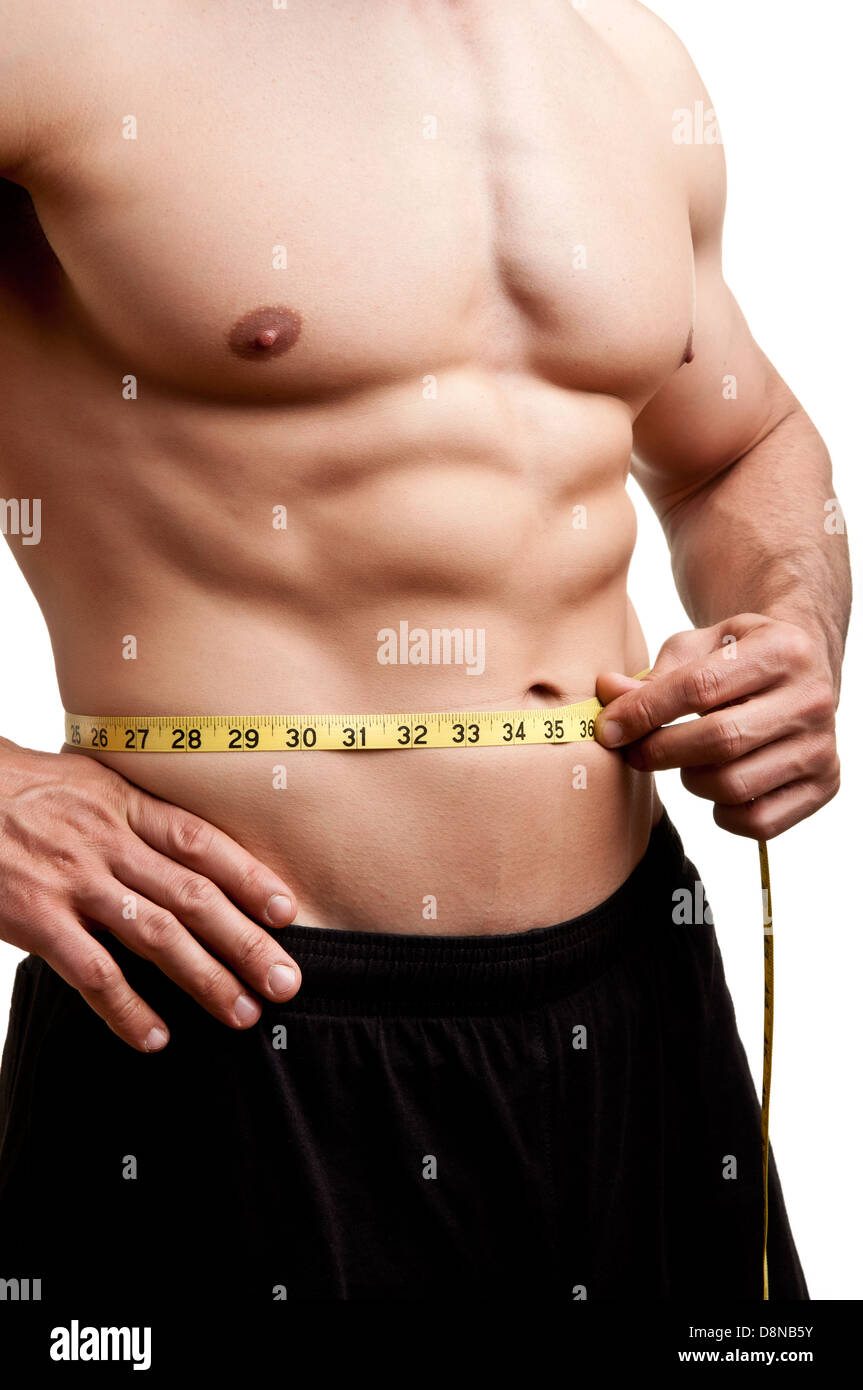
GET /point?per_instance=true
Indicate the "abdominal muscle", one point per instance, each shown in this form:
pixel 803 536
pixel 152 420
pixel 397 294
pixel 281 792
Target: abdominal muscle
pixel 233 616
pixel 423 840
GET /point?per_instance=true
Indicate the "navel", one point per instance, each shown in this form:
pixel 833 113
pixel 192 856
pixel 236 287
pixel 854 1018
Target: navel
pixel 689 351
pixel 265 333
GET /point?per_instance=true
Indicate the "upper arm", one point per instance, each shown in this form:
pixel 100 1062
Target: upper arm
pixel 723 402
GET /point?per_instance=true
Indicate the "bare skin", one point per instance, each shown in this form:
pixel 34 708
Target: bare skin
pixel 425 277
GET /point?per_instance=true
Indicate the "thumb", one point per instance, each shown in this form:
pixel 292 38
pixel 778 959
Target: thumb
pixel 610 684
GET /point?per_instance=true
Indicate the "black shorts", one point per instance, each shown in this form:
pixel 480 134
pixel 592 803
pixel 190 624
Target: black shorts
pixel 554 1114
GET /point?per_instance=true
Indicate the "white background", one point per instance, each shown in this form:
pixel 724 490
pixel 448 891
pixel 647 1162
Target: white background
pixel 783 77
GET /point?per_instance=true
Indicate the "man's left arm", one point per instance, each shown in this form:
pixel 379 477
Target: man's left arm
pixel 741 481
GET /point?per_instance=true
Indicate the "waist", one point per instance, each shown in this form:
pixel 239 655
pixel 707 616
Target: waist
pixel 351 971
pixel 440 841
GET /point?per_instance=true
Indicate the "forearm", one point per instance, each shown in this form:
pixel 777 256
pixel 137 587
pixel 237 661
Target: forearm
pixel 766 536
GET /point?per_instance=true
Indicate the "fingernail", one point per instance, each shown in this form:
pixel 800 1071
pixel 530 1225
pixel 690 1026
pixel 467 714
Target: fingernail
pixel 279 911
pixel 155 1040
pixel 246 1010
pixel 610 733
pixel 282 980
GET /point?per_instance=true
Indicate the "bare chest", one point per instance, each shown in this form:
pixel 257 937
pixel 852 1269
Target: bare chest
pixel 295 202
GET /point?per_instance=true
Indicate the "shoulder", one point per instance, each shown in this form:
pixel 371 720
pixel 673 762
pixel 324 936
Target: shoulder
pixel 665 70
pixel 643 40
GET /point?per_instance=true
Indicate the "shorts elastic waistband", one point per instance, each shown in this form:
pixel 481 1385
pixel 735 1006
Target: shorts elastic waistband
pixel 388 972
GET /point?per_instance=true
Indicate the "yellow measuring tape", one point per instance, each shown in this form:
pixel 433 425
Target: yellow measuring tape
pixel 217 733
pixel 767 910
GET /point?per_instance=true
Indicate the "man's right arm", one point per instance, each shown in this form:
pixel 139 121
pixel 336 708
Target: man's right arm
pixel 82 846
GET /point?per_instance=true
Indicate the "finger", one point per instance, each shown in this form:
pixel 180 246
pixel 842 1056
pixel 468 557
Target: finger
pixel 770 815
pixel 157 935
pixel 189 840
pixel 719 737
pixel 692 688
pixel 740 781
pixel 196 903
pixel 85 965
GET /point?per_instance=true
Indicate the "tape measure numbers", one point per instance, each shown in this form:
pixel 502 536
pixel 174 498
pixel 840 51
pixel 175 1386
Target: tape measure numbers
pixel 576 723
pixel 216 733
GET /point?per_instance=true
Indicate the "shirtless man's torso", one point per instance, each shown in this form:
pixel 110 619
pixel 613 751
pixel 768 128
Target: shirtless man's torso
pixel 485 229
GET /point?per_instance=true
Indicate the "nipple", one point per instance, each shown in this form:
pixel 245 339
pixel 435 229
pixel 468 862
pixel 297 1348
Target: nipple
pixel 265 333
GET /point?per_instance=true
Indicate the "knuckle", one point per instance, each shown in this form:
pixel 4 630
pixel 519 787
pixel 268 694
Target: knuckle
pixel 157 929
pixel 212 985
pixel 97 973
pixel 826 794
pixel 195 894
pixel 248 948
pixel 829 774
pixel 637 711
pixel 753 821
pixel 797 646
pixel 727 740
pixel 735 787
pixel 820 706
pixel 251 880
pixel 190 836
pixel 125 1011
pixel 822 757
pixel 701 687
